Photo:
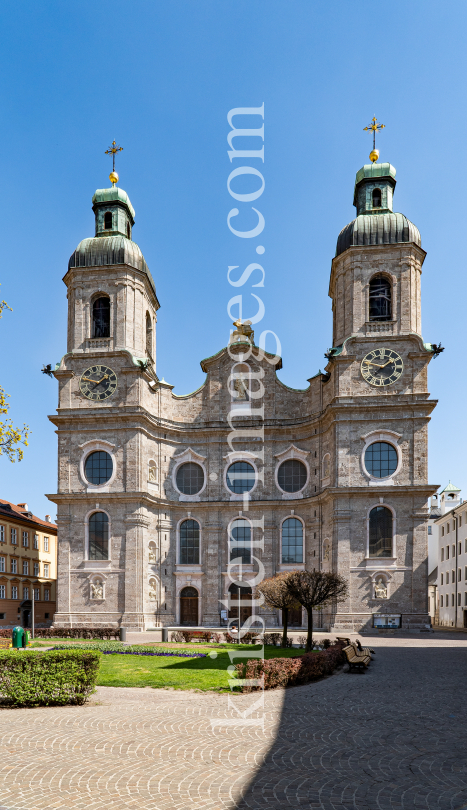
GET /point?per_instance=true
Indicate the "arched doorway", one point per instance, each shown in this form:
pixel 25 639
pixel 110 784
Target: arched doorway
pixel 237 596
pixel 189 607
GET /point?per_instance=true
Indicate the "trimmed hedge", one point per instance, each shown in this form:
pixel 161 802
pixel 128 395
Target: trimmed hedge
pixel 273 672
pixel 29 678
pixel 70 632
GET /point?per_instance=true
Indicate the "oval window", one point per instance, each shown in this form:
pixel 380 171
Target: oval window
pixel 241 477
pixel 292 475
pixel 381 459
pixel 98 467
pixel 190 478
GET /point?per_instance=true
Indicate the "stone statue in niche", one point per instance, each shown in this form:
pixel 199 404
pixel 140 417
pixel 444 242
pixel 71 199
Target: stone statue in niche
pixel 152 554
pixel 381 589
pixel 152 473
pixel 241 387
pixel 327 550
pixel 152 591
pixel 97 590
pixel 326 466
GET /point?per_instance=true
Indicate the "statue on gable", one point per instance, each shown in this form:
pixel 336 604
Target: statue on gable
pixel 243 332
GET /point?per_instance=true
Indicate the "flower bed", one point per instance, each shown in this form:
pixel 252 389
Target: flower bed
pixel 273 672
pixel 135 649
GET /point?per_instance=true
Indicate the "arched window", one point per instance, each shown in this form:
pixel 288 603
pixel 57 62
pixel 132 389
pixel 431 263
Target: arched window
pixel 380 532
pixel 98 527
pixel 148 335
pixel 237 598
pixel 189 606
pixel 376 198
pixel 240 541
pixel 108 221
pixel 128 230
pixel 101 317
pixel 292 541
pixel 380 299
pixel 189 542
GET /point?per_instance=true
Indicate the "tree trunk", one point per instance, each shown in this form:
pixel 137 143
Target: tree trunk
pixel 309 638
pixel 285 617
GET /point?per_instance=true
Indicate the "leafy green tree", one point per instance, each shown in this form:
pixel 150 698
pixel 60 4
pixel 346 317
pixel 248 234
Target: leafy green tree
pixel 277 596
pixel 314 589
pixel 10 436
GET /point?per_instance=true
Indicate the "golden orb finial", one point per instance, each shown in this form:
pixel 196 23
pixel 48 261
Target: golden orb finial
pixel 374 155
pixel 113 177
pixel 112 150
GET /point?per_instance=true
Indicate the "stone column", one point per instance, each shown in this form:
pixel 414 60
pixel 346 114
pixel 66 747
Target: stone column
pixel 136 523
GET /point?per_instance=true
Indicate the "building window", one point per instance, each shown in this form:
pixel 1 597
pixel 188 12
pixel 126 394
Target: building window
pixel 14 566
pixel 465 598
pixel 447 552
pixel 128 230
pixel 240 541
pixel 47 566
pixel 2 564
pixel 98 527
pixel 380 531
pixel 101 317
pixel 25 568
pixel 25 539
pixel 459 574
pixel 46 544
pixel 429 530
pixel 441 600
pixel 442 531
pixel 458 600
pixel 14 538
pixel 36 569
pixel 453 551
pixel 460 548
pixel 442 555
pixel 447 577
pixel 292 541
pixel 37 595
pixel 381 459
pixel 36 541
pixel 190 478
pixel 108 220
pixel 98 469
pixel 241 477
pixel 380 299
pixel 442 579
pixel 148 335
pixel 2 593
pixel 292 475
pixel 2 534
pixel 14 591
pixel 452 600
pixel 25 592
pixel 376 198
pixel 46 594
pixel 460 521
pixel 189 542
pixel 453 576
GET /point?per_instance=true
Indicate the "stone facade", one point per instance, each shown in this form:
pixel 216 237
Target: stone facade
pixel 149 432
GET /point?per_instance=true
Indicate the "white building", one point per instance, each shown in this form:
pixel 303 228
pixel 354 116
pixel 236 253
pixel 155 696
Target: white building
pixel 451 583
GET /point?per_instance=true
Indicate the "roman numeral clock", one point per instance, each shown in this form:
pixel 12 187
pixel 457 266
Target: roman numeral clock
pixel 98 382
pixel 382 367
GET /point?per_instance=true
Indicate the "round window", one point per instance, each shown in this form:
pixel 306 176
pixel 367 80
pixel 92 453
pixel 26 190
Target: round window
pixel 292 475
pixel 381 459
pixel 98 467
pixel 241 477
pixel 190 478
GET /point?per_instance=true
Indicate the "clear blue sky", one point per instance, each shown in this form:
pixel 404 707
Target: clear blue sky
pixel 160 77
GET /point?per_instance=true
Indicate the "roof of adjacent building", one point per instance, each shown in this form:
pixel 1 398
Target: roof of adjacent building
pixel 450 488
pixel 377 229
pixel 433 576
pixel 10 510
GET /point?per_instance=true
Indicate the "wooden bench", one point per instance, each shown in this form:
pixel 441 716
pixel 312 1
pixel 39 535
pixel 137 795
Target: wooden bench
pixel 345 641
pixel 359 650
pixel 353 660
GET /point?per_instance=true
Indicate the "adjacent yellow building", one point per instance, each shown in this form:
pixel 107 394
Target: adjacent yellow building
pixel 28 566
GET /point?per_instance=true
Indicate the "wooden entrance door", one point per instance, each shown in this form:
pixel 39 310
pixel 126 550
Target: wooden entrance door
pixel 243 595
pixel 189 607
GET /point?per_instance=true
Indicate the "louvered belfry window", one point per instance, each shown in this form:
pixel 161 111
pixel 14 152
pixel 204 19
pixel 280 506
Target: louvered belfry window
pixel 101 318
pixel 380 299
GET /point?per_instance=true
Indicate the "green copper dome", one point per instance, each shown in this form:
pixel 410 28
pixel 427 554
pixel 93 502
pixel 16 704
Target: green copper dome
pixel 114 194
pixel 376 222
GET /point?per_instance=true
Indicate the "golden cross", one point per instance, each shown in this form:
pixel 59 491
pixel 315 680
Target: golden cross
pixel 112 150
pixel 374 127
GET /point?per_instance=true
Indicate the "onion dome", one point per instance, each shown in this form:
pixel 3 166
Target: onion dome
pixel 376 223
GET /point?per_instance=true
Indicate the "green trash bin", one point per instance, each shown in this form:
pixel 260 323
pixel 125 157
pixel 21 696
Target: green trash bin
pixel 26 638
pixel 18 637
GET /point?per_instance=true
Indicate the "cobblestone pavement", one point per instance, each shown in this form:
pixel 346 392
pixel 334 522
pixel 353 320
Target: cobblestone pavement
pixel 392 738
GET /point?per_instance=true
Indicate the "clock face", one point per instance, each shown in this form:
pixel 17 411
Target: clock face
pixel 382 367
pixel 98 382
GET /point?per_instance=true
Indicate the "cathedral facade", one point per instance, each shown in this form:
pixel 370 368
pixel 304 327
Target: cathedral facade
pixel 170 508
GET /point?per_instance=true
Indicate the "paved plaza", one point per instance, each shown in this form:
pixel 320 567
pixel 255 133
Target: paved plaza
pixel 392 738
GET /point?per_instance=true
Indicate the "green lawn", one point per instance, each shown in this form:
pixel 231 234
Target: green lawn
pixel 179 673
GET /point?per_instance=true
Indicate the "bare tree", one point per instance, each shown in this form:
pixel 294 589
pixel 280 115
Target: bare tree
pixel 277 596
pixel 314 589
